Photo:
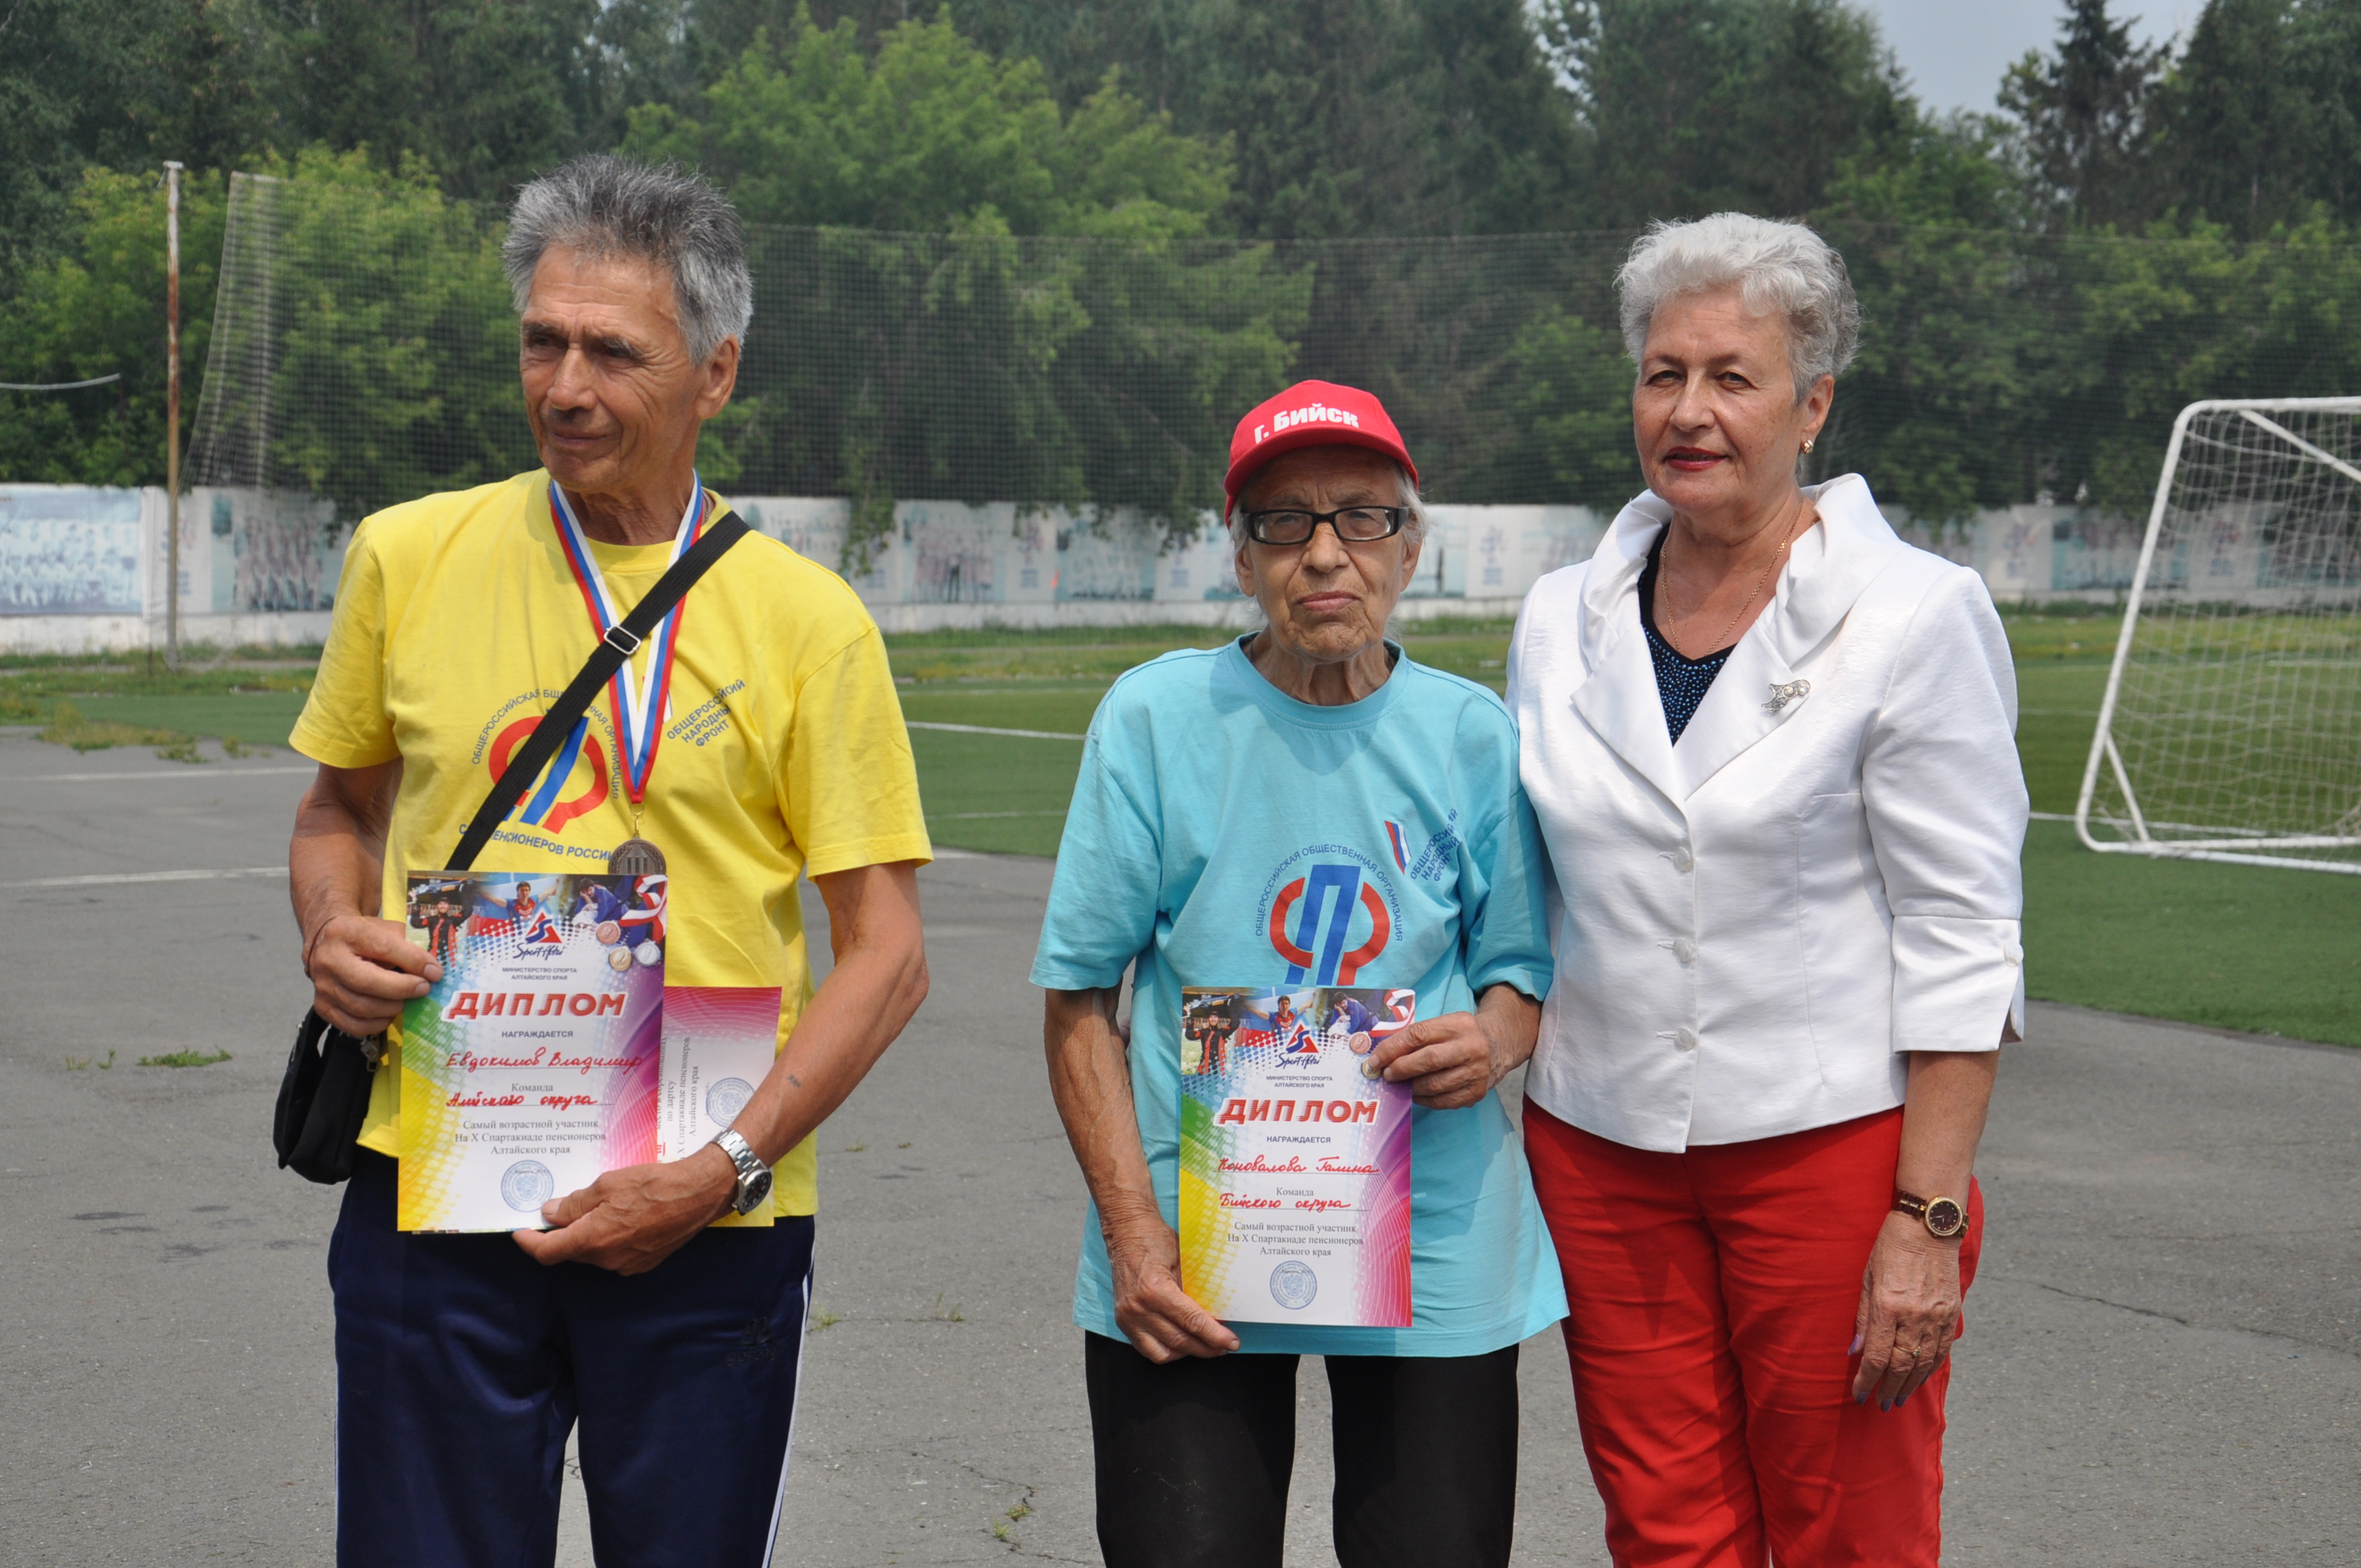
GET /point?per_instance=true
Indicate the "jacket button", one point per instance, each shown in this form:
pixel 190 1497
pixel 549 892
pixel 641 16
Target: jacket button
pixel 1684 949
pixel 1685 1039
pixel 1682 861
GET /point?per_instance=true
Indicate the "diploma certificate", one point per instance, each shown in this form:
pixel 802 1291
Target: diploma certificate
pixel 719 1041
pixel 533 1065
pixel 1294 1157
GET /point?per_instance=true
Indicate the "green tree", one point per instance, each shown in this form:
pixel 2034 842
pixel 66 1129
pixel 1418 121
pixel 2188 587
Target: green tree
pixel 95 307
pixel 1330 107
pixel 2083 115
pixel 932 134
pixel 1348 117
pixel 2326 58
pixel 1505 153
pixel 1074 337
pixel 488 91
pixel 1956 307
pixel 2257 118
pixel 63 65
pixel 1571 396
pixel 1693 106
pixel 196 96
pixel 2174 318
pixel 370 329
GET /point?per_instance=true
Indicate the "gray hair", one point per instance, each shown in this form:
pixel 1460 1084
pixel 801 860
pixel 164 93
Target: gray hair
pixel 1413 527
pixel 1781 267
pixel 603 206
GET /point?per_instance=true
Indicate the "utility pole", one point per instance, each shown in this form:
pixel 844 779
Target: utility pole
pixel 172 414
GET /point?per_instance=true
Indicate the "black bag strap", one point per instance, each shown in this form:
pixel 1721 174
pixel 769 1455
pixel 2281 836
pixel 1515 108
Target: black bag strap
pixel 620 643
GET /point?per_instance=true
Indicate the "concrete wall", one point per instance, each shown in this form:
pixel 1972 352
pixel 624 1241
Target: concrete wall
pixel 83 569
pixel 946 564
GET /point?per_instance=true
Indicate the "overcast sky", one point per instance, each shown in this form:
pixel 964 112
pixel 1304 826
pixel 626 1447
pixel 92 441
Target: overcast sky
pixel 1955 50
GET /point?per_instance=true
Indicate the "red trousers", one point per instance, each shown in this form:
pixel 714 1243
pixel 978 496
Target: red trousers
pixel 1712 1300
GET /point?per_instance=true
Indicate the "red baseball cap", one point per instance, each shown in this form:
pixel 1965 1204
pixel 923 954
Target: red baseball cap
pixel 1310 413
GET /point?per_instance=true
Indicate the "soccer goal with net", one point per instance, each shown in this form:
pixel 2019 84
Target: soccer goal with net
pixel 2231 727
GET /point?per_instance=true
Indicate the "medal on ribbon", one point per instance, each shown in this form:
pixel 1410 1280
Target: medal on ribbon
pixel 639 704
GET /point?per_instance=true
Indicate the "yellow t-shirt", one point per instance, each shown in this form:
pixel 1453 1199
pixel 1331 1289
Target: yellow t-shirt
pixel 457 622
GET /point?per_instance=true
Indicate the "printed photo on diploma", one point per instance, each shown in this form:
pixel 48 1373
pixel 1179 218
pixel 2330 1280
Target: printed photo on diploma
pixel 1294 1156
pixel 534 1066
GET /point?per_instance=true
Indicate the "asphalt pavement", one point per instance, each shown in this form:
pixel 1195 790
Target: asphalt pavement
pixel 2162 1365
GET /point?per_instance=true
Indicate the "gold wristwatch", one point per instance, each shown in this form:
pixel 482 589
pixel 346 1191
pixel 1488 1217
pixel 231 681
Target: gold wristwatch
pixel 1944 1218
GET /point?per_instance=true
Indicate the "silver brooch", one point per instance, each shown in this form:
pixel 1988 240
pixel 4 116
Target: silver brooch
pixel 1781 696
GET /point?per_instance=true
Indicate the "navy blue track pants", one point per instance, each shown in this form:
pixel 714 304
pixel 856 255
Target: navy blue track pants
pixel 461 1365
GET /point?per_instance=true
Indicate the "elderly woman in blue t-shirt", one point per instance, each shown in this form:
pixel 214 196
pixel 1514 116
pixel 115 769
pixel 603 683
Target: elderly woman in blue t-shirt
pixel 1301 811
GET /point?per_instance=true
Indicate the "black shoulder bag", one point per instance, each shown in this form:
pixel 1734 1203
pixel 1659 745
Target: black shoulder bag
pixel 326 1094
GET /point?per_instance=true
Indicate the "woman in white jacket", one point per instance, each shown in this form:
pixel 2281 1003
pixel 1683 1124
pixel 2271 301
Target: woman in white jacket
pixel 1771 750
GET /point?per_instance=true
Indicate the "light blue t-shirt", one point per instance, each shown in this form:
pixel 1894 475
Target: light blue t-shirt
pixel 1206 795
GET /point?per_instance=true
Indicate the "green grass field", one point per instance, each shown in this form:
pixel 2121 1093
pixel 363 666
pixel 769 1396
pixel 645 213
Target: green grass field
pixel 2232 946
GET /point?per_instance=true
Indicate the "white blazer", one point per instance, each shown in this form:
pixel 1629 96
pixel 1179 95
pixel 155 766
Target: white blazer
pixel 1752 926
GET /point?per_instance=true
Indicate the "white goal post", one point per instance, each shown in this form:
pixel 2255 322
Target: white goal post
pixel 2231 727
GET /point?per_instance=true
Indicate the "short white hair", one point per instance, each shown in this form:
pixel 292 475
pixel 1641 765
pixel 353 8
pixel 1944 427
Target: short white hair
pixel 1413 526
pixel 604 205
pixel 1781 267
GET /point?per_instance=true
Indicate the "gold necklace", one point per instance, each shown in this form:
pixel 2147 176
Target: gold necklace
pixel 1753 594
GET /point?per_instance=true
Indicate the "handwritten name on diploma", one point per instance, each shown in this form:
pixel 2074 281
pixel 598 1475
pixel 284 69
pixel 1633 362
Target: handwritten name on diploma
pixel 472 1061
pixel 1293 1165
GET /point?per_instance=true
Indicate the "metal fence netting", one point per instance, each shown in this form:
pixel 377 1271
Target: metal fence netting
pixel 364 352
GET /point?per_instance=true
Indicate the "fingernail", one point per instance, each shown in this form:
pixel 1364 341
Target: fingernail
pixel 1855 1348
pixel 1885 1404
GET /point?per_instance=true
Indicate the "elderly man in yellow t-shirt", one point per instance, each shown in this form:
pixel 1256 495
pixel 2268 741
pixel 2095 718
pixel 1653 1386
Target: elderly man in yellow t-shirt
pixel 768 745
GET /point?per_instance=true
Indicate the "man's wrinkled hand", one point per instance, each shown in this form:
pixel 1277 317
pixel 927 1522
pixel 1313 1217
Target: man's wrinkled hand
pixel 630 1220
pixel 363 970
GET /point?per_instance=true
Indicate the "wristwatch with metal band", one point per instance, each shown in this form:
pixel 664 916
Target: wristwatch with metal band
pixel 1944 1218
pixel 754 1176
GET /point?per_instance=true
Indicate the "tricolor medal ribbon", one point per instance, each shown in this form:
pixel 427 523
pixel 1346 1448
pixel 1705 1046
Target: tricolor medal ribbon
pixel 639 707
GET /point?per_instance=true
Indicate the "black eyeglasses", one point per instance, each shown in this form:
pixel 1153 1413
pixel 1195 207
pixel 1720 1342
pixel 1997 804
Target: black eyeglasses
pixel 1357 525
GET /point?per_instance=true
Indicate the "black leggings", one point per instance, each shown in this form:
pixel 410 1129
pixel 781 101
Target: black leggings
pixel 1193 1458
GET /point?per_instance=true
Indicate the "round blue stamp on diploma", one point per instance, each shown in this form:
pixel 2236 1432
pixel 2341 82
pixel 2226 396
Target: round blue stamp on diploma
pixel 726 1098
pixel 1292 1285
pixel 527 1185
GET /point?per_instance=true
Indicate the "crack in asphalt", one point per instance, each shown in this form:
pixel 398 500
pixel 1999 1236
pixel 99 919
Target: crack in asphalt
pixel 1013 1539
pixel 2175 1318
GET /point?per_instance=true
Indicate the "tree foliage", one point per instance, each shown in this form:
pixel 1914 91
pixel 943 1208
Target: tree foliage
pixel 2257 120
pixel 2086 116
pixel 376 351
pixel 97 309
pixel 1693 106
pixel 932 135
pixel 1346 117
pixel 1043 250
pixel 943 341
